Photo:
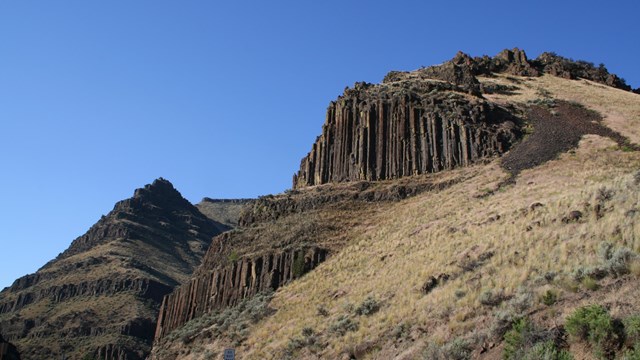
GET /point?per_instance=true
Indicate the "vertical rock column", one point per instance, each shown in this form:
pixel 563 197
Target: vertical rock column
pixel 226 287
pixel 388 138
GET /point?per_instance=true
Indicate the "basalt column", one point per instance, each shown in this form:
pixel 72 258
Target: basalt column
pixel 385 132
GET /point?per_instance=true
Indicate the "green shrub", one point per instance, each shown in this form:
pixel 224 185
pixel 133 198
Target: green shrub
pixel 594 324
pixel 342 325
pixel 620 260
pixel 307 331
pixel 322 311
pixel 525 341
pixel 550 297
pixel 546 351
pixel 590 283
pixel 632 329
pixel 615 261
pixel 502 322
pixel 458 349
pixel 522 301
pixel 308 339
pixel 514 339
pixel 369 306
pixel 401 331
pixel 491 298
pixel 631 354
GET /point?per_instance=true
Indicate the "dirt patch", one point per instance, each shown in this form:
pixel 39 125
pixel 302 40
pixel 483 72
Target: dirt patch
pixel 556 130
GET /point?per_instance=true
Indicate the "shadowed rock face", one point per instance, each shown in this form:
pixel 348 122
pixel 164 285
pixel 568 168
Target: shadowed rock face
pixel 100 297
pixel 404 128
pixel 225 287
pixel 427 120
pixel 8 351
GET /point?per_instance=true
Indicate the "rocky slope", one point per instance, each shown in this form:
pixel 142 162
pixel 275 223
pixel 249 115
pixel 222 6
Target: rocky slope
pixel 420 262
pixel 100 297
pixel 224 211
pixel 282 237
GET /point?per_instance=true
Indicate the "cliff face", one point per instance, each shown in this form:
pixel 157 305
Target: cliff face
pixel 225 287
pixel 426 121
pixel 100 297
pixel 404 128
pixel 8 351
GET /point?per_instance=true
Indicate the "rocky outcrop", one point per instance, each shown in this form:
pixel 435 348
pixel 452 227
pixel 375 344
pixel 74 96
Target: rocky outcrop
pixel 569 69
pixel 227 286
pixel 8 351
pixel 427 120
pixel 273 207
pixel 118 271
pixel 117 352
pixel 145 288
pixel 225 211
pixel 404 128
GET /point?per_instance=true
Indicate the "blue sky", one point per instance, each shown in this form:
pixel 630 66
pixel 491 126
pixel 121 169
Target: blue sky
pixel 98 98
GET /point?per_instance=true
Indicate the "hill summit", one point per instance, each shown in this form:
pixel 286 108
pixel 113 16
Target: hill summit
pixel 427 120
pixel 100 296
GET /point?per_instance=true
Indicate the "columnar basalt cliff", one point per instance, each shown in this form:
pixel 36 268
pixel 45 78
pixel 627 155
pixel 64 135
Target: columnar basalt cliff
pixel 404 128
pixel 100 297
pixel 227 286
pixel 8 351
pixel 425 121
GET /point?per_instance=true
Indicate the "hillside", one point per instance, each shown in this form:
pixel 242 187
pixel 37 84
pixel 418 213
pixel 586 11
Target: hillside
pixel 225 211
pixel 447 203
pixel 100 297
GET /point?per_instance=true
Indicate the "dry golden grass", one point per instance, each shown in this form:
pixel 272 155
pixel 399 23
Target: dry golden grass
pixel 401 245
pixel 424 236
pixel 620 109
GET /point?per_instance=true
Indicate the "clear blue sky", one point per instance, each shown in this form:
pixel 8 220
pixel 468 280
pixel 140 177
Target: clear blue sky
pixel 223 99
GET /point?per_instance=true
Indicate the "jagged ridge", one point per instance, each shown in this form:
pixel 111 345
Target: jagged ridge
pixel 225 287
pixel 119 271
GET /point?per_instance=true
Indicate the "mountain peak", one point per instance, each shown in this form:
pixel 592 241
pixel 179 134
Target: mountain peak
pixel 135 254
pixel 159 186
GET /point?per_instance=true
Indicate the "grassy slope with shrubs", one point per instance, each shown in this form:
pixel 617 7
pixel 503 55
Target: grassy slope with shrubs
pixel 527 262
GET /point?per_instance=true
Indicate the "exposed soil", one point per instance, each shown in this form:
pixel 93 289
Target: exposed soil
pixel 556 129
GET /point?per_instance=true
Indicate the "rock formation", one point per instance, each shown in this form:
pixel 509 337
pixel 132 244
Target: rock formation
pixel 225 211
pixel 225 287
pixel 100 297
pixel 8 351
pixel 428 120
pixel 403 128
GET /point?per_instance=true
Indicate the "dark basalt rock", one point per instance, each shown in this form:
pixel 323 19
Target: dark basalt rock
pixel 404 128
pixel 226 287
pixel 156 203
pixel 427 120
pixel 145 288
pixel 8 351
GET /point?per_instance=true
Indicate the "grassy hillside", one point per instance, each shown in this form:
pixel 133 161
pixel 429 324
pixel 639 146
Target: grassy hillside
pixel 446 273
